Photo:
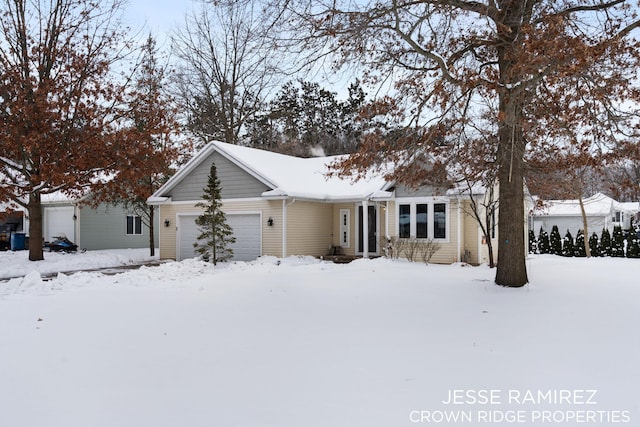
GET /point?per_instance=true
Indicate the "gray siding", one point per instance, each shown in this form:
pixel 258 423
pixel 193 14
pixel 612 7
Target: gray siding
pixel 106 228
pixel 235 182
pixel 425 191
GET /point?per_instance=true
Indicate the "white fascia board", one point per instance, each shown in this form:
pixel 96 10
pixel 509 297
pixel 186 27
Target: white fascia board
pixel 158 200
pixel 382 196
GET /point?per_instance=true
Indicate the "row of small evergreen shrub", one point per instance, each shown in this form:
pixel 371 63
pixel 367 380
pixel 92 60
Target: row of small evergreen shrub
pixel 613 245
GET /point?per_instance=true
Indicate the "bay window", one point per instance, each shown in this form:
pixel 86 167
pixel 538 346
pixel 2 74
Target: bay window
pixel 422 219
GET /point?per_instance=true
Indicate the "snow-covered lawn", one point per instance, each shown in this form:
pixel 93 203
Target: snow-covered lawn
pixel 303 343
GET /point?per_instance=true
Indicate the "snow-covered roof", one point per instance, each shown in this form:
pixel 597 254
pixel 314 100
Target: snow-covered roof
pixel 596 205
pixel 288 176
pixel 302 177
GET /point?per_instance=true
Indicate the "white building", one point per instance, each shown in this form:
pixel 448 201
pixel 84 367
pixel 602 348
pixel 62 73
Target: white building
pixel 601 212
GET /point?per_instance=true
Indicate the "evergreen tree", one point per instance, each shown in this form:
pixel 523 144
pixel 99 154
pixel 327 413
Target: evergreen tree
pixel 633 244
pixel 568 246
pixel 579 249
pixel 555 241
pixel 594 245
pixel 215 233
pixel 543 242
pixel 605 243
pixel 617 242
pixel 533 244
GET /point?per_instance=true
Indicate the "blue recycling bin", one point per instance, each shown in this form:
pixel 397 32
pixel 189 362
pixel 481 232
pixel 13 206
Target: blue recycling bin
pixel 18 241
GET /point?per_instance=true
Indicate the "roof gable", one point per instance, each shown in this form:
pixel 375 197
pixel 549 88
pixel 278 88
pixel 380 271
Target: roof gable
pixel 282 175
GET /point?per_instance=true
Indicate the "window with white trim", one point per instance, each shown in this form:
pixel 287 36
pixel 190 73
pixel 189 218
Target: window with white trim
pixel 423 219
pixel 134 225
pixel 404 221
pixel 439 221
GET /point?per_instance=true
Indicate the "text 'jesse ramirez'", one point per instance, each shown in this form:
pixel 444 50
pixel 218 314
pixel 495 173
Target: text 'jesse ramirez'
pixel 520 397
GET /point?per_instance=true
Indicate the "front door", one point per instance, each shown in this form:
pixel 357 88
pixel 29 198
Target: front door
pixel 372 225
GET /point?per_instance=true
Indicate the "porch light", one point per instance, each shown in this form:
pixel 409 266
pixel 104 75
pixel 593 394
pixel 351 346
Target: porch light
pixel 167 223
pixel 270 222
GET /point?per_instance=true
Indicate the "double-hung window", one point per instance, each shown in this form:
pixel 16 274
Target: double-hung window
pixel 134 225
pixel 422 219
pixel 404 221
pixel 439 221
pixel 422 216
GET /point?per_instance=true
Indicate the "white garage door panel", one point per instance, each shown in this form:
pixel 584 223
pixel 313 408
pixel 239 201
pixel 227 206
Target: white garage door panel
pixel 59 220
pixel 246 230
pixel 187 233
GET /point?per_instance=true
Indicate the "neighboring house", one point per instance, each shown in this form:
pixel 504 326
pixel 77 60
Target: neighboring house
pixel 104 227
pixel 281 205
pixel 601 212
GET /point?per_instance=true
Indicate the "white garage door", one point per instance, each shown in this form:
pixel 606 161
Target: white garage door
pixel 246 230
pixel 57 221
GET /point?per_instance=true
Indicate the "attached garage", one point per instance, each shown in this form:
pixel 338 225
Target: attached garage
pixel 246 230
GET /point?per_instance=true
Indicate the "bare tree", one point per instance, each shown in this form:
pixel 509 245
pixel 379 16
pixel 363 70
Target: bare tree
pixel 226 66
pixel 513 69
pixel 149 114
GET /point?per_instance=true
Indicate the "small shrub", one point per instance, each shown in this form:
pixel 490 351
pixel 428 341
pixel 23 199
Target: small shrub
pixel 411 248
pixel 428 249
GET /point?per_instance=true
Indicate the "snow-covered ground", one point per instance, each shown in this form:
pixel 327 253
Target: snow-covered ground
pixel 303 343
pixel 14 264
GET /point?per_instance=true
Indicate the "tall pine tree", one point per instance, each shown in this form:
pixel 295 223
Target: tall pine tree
pixel 594 244
pixel 215 233
pixel 555 241
pixel 543 242
pixel 579 250
pixel 617 242
pixel 633 244
pixel 605 242
pixel 567 245
pixel 533 243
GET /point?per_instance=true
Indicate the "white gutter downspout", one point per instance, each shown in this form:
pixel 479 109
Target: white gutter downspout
pixel 386 220
pixel 284 228
pixel 459 230
pixel 480 236
pixel 365 229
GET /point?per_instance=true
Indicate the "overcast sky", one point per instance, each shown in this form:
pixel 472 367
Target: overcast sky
pixel 156 16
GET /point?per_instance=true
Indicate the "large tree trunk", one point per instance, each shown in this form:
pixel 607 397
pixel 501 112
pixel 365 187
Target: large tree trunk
pixel 35 227
pixel 512 269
